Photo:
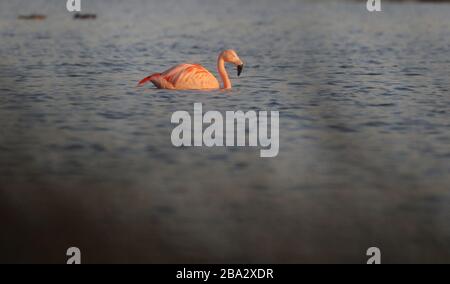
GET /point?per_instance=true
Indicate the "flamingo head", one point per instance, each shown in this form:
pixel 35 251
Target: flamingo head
pixel 231 56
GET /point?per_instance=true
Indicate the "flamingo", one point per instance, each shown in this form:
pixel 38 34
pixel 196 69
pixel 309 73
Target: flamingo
pixel 194 76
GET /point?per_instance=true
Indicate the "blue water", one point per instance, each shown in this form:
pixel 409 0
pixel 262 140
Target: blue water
pixel 86 158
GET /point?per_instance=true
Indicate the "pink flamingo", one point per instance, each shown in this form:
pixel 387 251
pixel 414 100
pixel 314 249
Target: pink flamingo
pixel 195 76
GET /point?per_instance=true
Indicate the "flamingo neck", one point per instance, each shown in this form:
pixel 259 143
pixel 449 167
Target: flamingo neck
pixel 223 72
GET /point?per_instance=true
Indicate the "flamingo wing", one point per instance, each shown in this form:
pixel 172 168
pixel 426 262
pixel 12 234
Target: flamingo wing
pixel 183 77
pixel 189 76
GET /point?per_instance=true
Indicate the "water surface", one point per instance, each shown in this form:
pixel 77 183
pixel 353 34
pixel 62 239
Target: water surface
pixel 86 158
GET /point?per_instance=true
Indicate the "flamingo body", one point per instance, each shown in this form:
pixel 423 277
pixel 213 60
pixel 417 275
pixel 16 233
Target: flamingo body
pixel 183 77
pixel 194 76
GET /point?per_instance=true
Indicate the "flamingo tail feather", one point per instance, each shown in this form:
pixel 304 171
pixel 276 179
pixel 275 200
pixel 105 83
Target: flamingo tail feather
pixel 148 79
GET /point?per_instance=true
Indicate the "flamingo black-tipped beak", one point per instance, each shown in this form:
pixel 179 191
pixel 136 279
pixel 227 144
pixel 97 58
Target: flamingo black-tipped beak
pixel 239 69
